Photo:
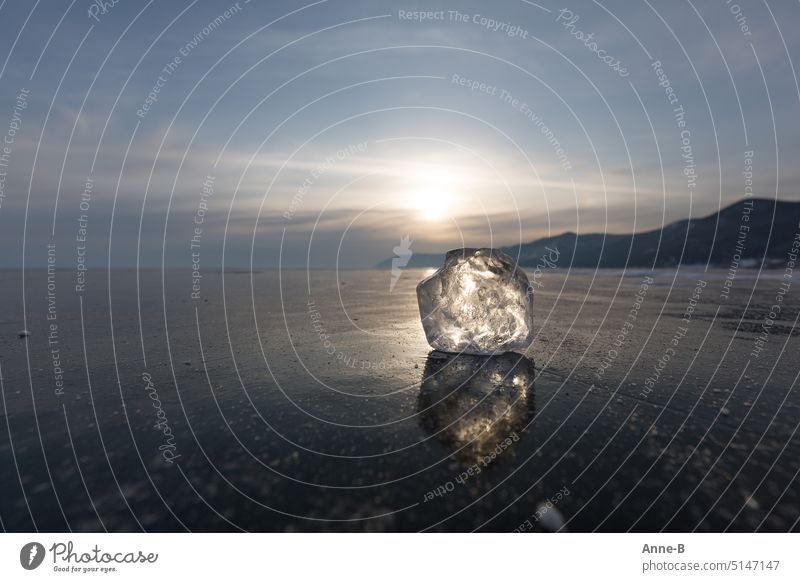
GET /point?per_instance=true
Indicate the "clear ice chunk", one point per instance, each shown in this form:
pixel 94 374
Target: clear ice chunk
pixel 479 303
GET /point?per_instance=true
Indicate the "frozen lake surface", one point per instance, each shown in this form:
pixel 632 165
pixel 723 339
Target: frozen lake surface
pixel 295 401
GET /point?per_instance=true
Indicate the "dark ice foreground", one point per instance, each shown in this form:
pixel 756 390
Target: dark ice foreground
pixel 287 401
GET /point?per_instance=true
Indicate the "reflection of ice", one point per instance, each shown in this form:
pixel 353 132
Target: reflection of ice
pixel 474 403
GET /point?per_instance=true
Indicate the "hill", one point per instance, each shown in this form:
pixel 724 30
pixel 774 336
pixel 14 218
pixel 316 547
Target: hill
pixel 757 229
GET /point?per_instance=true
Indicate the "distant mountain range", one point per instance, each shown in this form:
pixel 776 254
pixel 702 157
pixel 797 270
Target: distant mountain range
pixel 757 229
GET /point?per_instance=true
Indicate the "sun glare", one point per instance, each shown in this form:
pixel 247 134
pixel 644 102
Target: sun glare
pixel 435 192
pixel 433 204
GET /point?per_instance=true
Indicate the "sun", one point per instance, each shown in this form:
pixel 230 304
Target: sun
pixel 434 192
pixel 433 204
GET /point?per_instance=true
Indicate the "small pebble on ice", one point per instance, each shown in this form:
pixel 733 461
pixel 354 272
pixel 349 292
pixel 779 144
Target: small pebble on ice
pixel 550 518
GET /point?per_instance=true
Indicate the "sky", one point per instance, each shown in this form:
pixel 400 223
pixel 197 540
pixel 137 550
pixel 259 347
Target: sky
pixel 224 134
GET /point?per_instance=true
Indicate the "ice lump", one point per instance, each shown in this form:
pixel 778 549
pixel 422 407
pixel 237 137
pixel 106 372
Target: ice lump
pixel 479 302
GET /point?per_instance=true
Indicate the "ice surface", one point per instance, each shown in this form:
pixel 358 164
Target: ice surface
pixel 479 302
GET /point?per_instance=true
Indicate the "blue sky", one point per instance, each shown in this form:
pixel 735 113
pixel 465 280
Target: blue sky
pixel 332 129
